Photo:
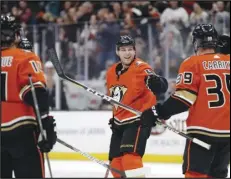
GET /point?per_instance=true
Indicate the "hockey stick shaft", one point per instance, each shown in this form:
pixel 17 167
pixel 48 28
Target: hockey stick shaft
pixel 106 174
pixel 38 116
pixel 54 58
pixel 92 158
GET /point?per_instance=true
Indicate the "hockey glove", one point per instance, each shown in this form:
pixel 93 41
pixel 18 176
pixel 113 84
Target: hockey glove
pixel 112 125
pixel 156 84
pixel 149 117
pixel 49 128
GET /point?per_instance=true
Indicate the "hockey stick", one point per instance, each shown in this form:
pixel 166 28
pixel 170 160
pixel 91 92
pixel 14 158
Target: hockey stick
pixel 39 120
pixel 54 58
pixel 106 174
pixel 92 158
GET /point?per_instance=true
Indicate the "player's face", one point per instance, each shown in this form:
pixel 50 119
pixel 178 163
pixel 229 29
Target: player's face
pixel 126 54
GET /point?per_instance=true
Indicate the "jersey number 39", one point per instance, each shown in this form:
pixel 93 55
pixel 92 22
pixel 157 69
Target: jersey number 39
pixel 219 89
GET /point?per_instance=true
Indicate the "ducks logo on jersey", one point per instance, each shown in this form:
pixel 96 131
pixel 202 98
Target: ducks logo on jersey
pixel 117 93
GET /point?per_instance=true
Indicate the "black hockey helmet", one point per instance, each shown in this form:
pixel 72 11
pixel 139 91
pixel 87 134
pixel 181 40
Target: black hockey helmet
pixel 9 28
pixel 224 44
pixel 124 41
pixel 204 36
pixel 25 44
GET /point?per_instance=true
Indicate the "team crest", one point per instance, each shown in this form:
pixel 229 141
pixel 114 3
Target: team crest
pixel 117 93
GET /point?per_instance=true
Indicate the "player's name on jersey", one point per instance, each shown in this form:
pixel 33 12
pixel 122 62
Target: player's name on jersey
pixel 6 61
pixel 217 64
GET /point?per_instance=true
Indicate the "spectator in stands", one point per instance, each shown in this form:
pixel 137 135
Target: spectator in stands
pixel 221 19
pixel 101 14
pixel 52 7
pixel 154 13
pixel 176 15
pixel 198 16
pixel 127 8
pixel 70 17
pixel 49 74
pixel 102 75
pixel 117 10
pixel 141 48
pixel 67 5
pixel 25 12
pixel 69 60
pixel 228 7
pixel 107 36
pixel 88 38
pixel 172 42
pixel 141 16
pixel 40 14
pixel 128 26
pixel 15 12
pixel 84 13
pixel 158 68
pixel 4 8
pixel 188 6
pixel 70 20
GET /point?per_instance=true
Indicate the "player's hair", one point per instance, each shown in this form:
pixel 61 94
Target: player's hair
pixel 204 36
pixel 9 28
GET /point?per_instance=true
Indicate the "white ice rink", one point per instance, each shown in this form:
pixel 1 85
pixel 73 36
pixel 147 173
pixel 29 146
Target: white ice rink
pixel 77 169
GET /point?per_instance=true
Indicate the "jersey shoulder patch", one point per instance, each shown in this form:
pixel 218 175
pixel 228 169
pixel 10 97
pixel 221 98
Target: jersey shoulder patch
pixel 138 63
pixel 149 72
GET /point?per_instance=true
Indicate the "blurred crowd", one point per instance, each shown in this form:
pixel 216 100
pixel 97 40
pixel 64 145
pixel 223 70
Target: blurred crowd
pixel 88 30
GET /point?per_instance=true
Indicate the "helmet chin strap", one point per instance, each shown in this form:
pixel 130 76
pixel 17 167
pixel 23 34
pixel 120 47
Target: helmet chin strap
pixel 195 47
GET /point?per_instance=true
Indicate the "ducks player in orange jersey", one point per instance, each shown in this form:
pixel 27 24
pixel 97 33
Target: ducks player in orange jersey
pixel 203 88
pixel 131 81
pixel 21 148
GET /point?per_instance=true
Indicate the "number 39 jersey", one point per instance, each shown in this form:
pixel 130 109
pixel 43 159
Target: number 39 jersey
pixel 16 65
pixel 203 83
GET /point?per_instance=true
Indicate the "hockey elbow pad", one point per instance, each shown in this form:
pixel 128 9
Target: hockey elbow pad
pixel 42 97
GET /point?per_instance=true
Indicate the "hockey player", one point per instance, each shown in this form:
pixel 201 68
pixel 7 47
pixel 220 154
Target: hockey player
pixel 21 151
pixel 132 82
pixel 203 88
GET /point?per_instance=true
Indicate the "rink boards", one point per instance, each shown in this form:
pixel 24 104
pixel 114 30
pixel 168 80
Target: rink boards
pixel 89 132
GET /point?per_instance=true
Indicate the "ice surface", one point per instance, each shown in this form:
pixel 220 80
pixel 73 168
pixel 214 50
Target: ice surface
pixel 77 169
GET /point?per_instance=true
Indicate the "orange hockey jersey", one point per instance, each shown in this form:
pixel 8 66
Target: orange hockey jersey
pixel 16 65
pixel 203 83
pixel 130 89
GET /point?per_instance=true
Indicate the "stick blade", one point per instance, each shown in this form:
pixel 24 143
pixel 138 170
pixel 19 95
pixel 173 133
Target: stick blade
pixel 52 55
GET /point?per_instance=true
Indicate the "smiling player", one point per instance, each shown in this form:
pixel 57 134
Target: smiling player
pixel 132 82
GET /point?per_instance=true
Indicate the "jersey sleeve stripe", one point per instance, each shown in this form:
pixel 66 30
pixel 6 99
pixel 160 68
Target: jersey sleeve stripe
pixel 187 96
pixel 26 88
pixel 182 100
pixel 185 89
